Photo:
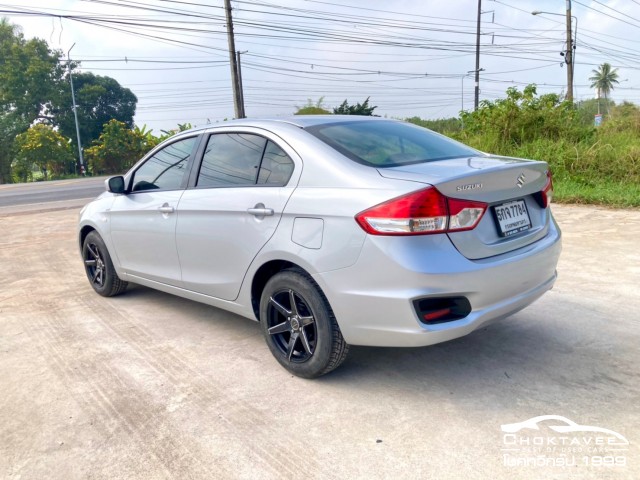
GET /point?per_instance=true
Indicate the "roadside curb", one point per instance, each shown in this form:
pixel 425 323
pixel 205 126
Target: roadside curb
pixel 32 208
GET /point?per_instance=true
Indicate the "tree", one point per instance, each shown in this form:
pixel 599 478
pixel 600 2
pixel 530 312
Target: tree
pixel 358 109
pixel 118 148
pixel 99 99
pixel 313 108
pixel 34 88
pixel 11 126
pixel 43 147
pixel 182 127
pixel 30 73
pixel 602 80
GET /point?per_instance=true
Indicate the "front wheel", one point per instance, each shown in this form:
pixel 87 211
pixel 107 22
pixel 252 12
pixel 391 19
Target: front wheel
pixel 99 267
pixel 299 326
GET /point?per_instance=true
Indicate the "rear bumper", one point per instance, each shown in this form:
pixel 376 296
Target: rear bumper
pixel 373 299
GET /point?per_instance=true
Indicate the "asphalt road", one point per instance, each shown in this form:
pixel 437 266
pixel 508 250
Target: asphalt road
pixel 151 386
pixel 53 191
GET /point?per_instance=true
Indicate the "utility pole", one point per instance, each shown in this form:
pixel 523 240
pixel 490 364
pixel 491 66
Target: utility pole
pixel 240 89
pixel 568 58
pixel 75 110
pixel 232 58
pixel 477 89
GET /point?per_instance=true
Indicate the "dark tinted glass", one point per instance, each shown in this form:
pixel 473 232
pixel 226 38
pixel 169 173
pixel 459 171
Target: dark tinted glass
pixel 165 170
pixel 388 144
pixel 231 159
pixel 276 167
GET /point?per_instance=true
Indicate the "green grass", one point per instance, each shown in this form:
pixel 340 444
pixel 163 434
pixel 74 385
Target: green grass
pixel 590 165
pixel 601 192
pixel 600 171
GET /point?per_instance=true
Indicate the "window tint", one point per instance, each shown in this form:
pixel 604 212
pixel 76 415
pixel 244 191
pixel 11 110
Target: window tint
pixel 388 144
pixel 231 159
pixel 165 170
pixel 276 167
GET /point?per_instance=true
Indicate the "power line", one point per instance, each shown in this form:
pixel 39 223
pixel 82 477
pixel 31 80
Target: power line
pixel 606 14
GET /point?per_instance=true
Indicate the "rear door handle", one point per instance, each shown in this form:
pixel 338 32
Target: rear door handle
pixel 260 212
pixel 166 209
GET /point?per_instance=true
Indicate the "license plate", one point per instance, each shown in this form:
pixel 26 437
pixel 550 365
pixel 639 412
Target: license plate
pixel 512 217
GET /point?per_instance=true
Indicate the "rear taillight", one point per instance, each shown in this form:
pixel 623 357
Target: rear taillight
pixel 420 213
pixel 547 191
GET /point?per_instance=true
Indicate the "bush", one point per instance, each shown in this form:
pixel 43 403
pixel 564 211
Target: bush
pixel 593 165
pixel 446 126
pixel 43 148
pixel 118 148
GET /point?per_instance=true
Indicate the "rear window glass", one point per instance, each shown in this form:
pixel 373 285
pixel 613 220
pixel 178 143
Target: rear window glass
pixel 388 144
pixel 231 159
pixel 276 167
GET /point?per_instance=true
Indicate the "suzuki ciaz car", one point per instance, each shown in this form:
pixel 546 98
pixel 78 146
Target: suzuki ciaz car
pixel 330 231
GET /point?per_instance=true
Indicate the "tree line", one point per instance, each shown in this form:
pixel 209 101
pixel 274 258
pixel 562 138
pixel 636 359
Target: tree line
pixel 36 114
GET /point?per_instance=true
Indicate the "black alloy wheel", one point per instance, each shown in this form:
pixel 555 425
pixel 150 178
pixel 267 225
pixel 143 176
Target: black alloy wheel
pixel 94 264
pixel 99 267
pixel 291 325
pixel 299 325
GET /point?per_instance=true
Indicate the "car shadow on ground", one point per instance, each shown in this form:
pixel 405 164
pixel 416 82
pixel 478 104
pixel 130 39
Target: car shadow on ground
pixel 533 347
pixel 553 349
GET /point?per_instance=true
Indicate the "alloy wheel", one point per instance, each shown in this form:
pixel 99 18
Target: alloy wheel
pixel 94 264
pixel 291 325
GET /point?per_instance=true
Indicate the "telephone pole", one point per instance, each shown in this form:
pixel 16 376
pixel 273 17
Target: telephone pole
pixel 568 58
pixel 570 54
pixel 237 103
pixel 477 89
pixel 75 111
pixel 240 89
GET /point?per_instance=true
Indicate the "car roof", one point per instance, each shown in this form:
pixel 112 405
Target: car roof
pixel 304 121
pixel 301 121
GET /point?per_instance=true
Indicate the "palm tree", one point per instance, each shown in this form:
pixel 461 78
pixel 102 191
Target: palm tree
pixel 603 80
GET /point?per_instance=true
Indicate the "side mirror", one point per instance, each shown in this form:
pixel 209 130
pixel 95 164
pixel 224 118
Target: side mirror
pixel 116 184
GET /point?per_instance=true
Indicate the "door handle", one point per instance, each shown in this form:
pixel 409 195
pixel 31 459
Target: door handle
pixel 166 209
pixel 260 212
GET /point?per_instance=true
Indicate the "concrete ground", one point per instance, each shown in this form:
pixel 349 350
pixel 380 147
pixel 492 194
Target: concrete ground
pixel 151 386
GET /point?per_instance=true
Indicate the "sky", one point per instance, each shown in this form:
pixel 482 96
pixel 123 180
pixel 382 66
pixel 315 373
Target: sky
pixel 411 57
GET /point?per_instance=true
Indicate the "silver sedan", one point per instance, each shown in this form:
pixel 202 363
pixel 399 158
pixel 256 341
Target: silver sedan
pixel 330 231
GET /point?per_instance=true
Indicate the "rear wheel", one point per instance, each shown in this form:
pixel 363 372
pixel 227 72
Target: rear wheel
pixel 99 267
pixel 299 326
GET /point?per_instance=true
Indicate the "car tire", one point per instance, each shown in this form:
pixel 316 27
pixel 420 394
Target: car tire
pixel 299 326
pixel 99 267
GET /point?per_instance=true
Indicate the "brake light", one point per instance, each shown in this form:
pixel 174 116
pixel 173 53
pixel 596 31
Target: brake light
pixel 547 191
pixel 420 213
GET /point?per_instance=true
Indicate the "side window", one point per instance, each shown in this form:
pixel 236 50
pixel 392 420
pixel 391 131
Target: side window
pixel 231 159
pixel 276 167
pixel 164 170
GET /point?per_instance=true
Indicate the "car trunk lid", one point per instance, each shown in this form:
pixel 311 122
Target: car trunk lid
pixel 511 187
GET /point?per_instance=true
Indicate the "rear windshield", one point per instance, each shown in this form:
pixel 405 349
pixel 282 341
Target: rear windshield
pixel 388 144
